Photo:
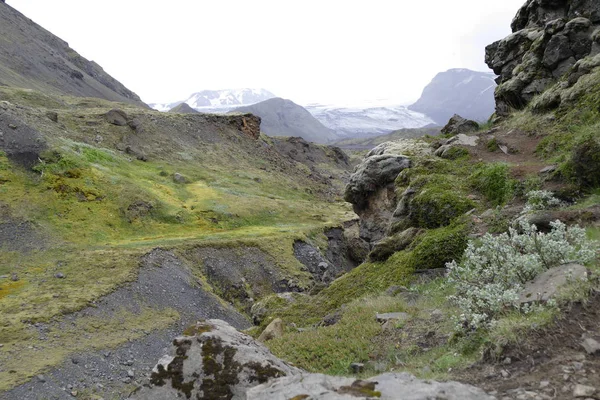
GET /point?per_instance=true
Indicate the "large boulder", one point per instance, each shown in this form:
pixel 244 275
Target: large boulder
pixel 386 386
pixel 458 124
pixel 372 174
pixel 549 38
pixel 213 361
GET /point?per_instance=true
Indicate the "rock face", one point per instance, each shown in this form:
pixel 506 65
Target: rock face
pixel 458 91
pixel 386 386
pixel 213 361
pixel 550 39
pixel 371 191
pixel 282 117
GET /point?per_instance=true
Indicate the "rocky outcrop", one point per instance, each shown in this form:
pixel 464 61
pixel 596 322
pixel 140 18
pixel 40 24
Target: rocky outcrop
pixel 386 386
pixel 21 143
pixel 551 39
pixel 372 174
pixel 213 361
pixel 458 124
pixel 371 191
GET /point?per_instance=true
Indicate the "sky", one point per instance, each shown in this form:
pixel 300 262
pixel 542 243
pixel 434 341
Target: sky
pixel 339 52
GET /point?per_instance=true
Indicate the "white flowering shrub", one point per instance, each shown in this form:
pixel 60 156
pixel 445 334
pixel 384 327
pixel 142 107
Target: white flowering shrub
pixel 494 270
pixel 538 200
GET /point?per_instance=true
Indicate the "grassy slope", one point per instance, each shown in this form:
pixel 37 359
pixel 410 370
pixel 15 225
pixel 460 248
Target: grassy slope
pixel 78 203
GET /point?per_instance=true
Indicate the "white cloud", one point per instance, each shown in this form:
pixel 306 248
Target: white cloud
pixel 327 50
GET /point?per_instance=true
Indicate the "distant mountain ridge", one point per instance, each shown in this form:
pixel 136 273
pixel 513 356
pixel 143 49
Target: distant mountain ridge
pixel 220 101
pixel 368 121
pixel 33 58
pixel 458 91
pixel 282 117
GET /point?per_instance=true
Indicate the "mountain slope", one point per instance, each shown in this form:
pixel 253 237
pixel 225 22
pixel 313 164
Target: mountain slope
pixel 458 91
pixel 183 108
pixel 33 58
pixel 367 121
pixel 219 101
pixel 282 117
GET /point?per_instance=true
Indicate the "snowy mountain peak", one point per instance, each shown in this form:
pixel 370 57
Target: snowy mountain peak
pixel 219 100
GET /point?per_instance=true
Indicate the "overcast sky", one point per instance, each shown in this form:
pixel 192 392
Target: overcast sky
pixel 328 51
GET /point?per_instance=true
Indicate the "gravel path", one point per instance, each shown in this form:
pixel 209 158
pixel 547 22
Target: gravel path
pixel 112 373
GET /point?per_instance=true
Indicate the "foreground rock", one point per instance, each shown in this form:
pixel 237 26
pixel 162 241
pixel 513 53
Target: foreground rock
pixel 213 361
pixel 386 386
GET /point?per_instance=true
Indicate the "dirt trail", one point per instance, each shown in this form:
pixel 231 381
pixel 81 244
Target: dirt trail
pixel 546 364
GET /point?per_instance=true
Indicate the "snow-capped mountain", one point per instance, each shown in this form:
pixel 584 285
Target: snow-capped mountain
pixel 458 91
pixel 220 101
pixel 367 120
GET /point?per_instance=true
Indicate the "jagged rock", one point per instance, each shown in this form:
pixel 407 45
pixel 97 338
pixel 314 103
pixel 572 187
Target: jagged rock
pixel 372 174
pixel 458 124
pixel 391 244
pixel 549 38
pixel 214 361
pixel 388 386
pixel 52 116
pixel 548 284
pixel 116 117
pixel 272 331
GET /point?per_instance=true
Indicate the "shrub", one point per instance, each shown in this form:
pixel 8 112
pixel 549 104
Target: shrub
pixel 493 181
pixel 538 200
pixel 491 274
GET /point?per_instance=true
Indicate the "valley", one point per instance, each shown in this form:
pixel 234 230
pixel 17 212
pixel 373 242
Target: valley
pixel 237 245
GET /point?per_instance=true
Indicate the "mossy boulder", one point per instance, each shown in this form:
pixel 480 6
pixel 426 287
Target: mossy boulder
pixel 218 362
pixel 391 244
pixel 438 247
pixel 435 207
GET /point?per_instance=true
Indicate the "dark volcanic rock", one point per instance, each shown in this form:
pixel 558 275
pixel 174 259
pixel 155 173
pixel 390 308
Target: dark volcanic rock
pixel 374 173
pixel 458 124
pixel 549 39
pixel 116 117
pixel 21 143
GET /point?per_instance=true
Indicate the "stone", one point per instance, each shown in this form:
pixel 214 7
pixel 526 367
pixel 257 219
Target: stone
pixel 178 178
pixel 357 368
pixel 52 116
pixel 580 391
pixel 591 346
pixel 213 360
pixel 14 277
pixel 389 386
pixel 389 245
pixel 458 124
pixel 399 316
pixel 130 373
pixel 41 378
pixel 549 283
pixel 272 331
pixel 59 275
pixel 372 174
pixel 548 169
pixel 116 117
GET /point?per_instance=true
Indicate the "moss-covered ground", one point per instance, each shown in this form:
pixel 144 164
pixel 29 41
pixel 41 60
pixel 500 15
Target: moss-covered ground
pixel 92 211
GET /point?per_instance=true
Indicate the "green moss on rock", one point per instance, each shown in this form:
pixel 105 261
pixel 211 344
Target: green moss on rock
pixel 435 207
pixel 437 247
